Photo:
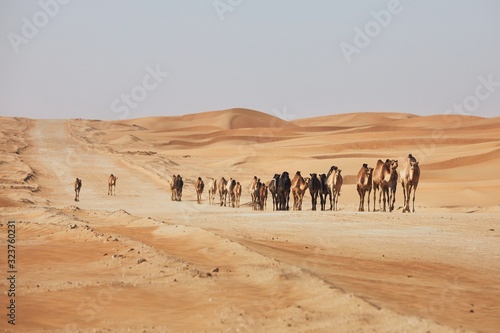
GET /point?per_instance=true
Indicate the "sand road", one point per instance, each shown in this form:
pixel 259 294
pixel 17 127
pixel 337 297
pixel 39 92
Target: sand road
pixel 140 262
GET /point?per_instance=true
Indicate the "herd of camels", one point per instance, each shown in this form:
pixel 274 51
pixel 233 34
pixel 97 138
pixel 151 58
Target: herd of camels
pixel 383 177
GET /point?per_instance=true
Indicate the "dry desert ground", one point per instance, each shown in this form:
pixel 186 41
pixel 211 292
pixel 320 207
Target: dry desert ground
pixel 137 261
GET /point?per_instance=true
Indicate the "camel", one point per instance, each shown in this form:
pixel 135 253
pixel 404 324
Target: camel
pixel 179 183
pixel 256 195
pixel 410 176
pixel 78 186
pixel 314 187
pixel 251 188
pixel 222 187
pixel 263 196
pixel 329 182
pixel 237 193
pixel 334 183
pixel 212 190
pixel 283 192
pixel 363 185
pixel 173 189
pixel 298 189
pixel 392 186
pixel 230 191
pixel 323 191
pixel 199 186
pixel 380 178
pixel 273 188
pixel 112 184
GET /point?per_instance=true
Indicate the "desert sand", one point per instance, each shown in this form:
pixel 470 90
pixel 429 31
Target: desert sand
pixel 138 261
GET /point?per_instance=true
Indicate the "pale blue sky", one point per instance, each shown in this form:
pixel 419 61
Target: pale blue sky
pixel 282 57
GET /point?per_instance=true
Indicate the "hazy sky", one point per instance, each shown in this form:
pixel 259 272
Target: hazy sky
pixel 294 59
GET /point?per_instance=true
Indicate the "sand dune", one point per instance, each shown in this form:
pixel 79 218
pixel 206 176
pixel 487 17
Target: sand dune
pixel 138 261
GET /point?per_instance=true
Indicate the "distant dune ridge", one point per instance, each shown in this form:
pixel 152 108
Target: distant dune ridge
pixel 138 261
pixel 249 142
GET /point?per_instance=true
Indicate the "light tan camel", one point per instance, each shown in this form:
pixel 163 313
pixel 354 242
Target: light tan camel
pixel 298 189
pixel 112 184
pixel 172 188
pixel 199 186
pixel 335 182
pixel 381 178
pixel 212 190
pixel 78 186
pixel 252 188
pixel 237 193
pixel 222 186
pixel 363 185
pixel 410 176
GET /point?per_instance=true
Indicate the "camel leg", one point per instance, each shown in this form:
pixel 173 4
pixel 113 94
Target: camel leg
pixel 413 205
pixel 407 198
pixel 374 197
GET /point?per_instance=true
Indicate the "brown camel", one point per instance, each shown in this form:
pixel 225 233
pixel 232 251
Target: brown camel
pixel 334 183
pixel 410 175
pixel 78 186
pixel 230 191
pixel 381 178
pixel 363 185
pixel 199 186
pixel 273 188
pixel 393 185
pixel 298 189
pixel 178 184
pixel 222 187
pixel 212 190
pixel 237 193
pixel 263 196
pixel 112 184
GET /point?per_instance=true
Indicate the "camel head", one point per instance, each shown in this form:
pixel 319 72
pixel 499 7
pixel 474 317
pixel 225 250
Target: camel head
pixel 298 173
pixel 365 165
pixel 394 164
pixel 338 171
pixel 369 171
pixel 313 175
pixel 413 165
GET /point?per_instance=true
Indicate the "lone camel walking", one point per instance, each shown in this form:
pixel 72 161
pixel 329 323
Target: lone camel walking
pixel 78 186
pixel 112 184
